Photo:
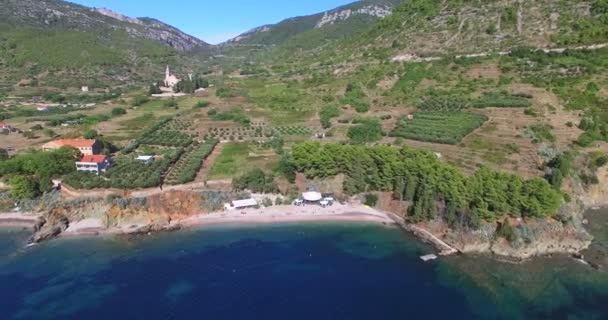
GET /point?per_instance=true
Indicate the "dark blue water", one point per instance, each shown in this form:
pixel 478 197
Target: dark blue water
pixel 334 271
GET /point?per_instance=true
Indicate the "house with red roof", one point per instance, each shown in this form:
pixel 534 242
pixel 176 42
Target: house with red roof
pixel 94 164
pixel 86 146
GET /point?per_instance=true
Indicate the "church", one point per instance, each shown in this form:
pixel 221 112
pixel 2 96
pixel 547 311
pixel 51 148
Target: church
pixel 170 79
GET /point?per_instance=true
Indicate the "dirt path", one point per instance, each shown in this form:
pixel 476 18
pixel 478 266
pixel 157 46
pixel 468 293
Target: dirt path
pixel 208 163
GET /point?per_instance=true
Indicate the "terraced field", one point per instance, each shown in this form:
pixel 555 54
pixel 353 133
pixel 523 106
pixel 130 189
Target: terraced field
pixel 438 127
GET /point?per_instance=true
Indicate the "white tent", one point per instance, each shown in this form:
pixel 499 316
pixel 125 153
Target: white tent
pixel 244 203
pixel 312 196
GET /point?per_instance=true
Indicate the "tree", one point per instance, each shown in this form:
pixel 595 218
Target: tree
pixel 3 154
pixel 49 133
pixel 118 112
pixel 23 188
pixel 90 134
pixel 201 104
pixel 369 130
pixel 154 89
pixel 139 100
pixel 371 200
pixel 29 134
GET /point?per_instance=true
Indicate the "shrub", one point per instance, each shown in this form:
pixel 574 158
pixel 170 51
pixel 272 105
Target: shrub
pixel 371 200
pixel 118 112
pixel 368 130
pixel 201 104
pixel 139 100
pixel 257 181
pixel 90 134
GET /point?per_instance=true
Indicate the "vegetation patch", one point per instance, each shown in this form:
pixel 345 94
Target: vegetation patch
pixel 366 131
pixel 356 98
pixel 502 100
pixel 236 115
pixel 438 127
pixel 188 166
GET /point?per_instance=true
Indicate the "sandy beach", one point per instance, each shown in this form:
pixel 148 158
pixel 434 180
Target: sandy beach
pixel 275 214
pixel 18 220
pixel 310 213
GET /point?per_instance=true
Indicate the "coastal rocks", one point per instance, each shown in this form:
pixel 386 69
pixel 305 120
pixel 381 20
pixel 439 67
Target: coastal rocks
pixel 49 228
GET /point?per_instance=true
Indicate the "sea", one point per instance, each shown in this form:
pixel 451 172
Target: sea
pixel 287 271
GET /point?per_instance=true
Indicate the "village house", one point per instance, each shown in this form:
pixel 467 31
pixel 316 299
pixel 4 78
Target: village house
pixel 86 146
pixel 5 127
pixel 94 164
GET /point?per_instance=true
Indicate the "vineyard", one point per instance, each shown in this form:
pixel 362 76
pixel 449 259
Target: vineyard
pixel 502 100
pixel 166 138
pixel 443 104
pixel 292 131
pixel 127 173
pixel 438 127
pixel 241 133
pixel 165 132
pixel 488 99
pixel 255 133
pixel 187 167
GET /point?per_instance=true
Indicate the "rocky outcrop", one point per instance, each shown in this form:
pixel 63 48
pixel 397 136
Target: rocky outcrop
pixel 332 17
pixel 530 238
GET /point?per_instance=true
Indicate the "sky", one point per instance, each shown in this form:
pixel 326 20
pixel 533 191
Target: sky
pixel 215 21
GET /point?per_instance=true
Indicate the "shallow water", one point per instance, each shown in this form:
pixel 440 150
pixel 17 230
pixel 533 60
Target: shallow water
pixel 331 271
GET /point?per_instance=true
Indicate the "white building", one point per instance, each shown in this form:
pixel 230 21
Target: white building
pixel 170 79
pixel 94 164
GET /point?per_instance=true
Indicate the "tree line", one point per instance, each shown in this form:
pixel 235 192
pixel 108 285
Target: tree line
pixel 433 188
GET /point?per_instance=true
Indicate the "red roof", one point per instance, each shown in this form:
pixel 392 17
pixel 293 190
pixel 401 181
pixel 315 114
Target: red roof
pixel 77 143
pixel 94 159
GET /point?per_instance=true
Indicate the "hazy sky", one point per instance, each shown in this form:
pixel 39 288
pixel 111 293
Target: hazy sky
pixel 216 20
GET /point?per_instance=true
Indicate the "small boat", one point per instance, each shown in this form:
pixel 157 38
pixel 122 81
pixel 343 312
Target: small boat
pixel 428 257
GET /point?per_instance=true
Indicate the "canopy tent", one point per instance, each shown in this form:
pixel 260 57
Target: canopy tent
pixel 312 196
pixel 244 203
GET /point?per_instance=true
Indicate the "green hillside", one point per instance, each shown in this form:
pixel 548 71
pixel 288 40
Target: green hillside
pixel 58 44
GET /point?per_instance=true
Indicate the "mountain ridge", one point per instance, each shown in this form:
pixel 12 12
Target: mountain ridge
pixel 273 34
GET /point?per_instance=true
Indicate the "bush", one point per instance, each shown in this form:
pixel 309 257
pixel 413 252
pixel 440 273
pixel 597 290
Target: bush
pixel 256 181
pixel 326 114
pixel 139 100
pixel 90 134
pixel 368 130
pixel 118 112
pixel 171 103
pixel 371 200
pixel 201 104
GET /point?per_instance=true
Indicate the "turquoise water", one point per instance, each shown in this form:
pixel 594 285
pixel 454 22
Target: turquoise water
pixel 335 271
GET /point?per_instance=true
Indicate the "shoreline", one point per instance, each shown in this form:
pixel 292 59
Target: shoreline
pixel 93 227
pixel 18 220
pixel 269 215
